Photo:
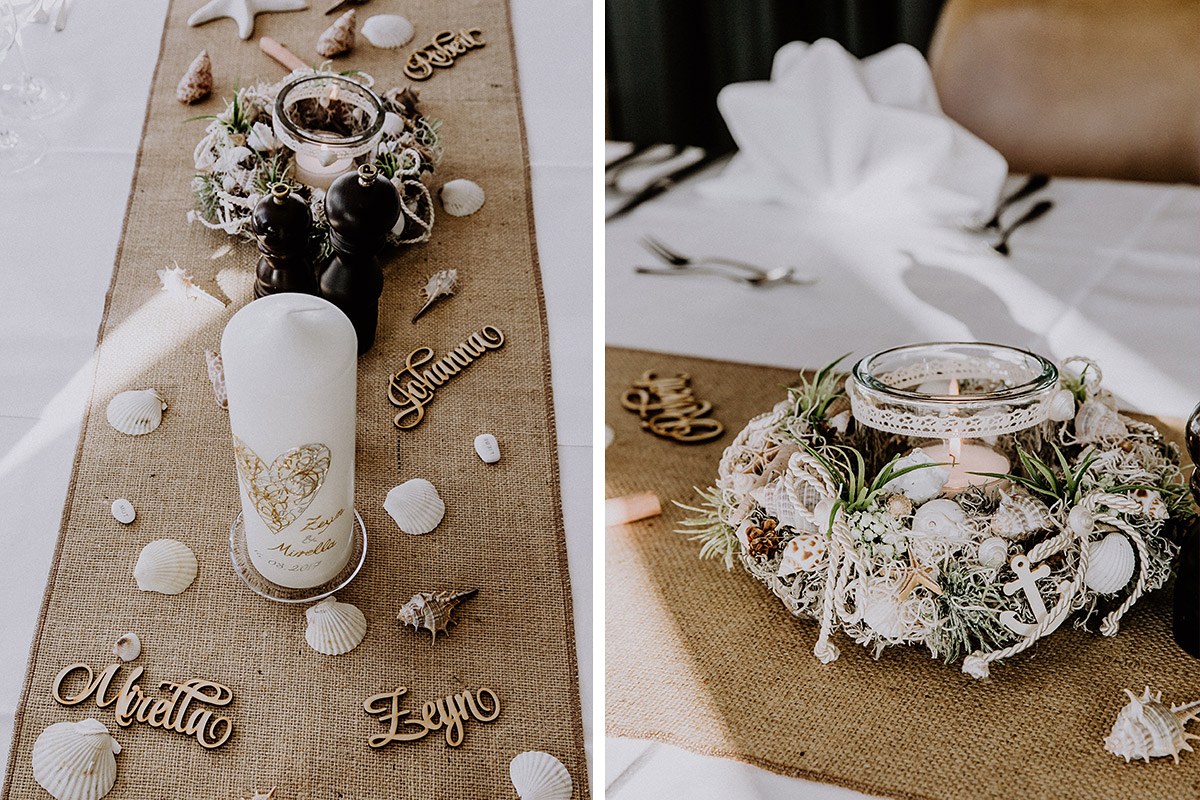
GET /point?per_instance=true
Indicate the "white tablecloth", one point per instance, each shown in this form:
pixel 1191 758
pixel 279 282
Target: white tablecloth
pixel 1112 272
pixel 59 227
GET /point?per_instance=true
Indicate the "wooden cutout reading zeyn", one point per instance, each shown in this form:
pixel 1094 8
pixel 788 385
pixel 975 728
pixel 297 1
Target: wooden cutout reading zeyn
pixel 412 388
pixel 446 713
pixel 168 713
pixel 441 52
pixel 668 408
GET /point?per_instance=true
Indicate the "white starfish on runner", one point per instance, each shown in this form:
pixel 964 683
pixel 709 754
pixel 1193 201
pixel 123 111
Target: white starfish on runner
pixel 242 12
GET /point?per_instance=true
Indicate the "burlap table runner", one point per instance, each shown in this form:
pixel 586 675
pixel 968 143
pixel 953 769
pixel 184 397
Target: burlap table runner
pixel 708 660
pixel 298 717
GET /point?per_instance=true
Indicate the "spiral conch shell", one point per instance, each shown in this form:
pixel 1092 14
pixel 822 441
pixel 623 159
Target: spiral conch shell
pixel 539 776
pixel 165 566
pixel 1096 421
pixel 387 30
pixel 338 38
pixel 432 610
pixel 1110 564
pixel 415 506
pixel 76 760
pixel 334 627
pixel 461 197
pixel 136 412
pixel 993 552
pixel 1146 728
pixel 1019 516
pixel 197 82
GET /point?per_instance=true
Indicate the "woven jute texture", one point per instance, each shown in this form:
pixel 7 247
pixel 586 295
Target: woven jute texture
pixel 708 660
pixel 298 718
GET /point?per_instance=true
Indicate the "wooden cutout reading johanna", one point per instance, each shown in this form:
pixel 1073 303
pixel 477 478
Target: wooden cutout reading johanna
pixel 412 388
pixel 446 713
pixel 441 52
pixel 131 704
pixel 668 408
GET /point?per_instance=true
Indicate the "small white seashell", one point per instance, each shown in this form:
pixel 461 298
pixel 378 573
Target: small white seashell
pixel 775 500
pixel 461 197
pixel 840 421
pixel 393 124
pixel 1153 506
pixel 540 776
pixel 1019 515
pixel 136 412
pixel 176 281
pixel 1110 564
pixel 387 31
pixel 822 513
pixel 899 505
pixel 881 610
pixel 122 511
pixel 76 760
pixel 416 506
pixel 939 519
pixel 993 552
pixel 1062 405
pixel 1097 421
pixel 1080 521
pixel 487 448
pixel 334 627
pixel 1147 728
pixel 802 554
pixel 128 647
pixel 398 227
pixel 165 566
pixel 920 484
pixel 433 611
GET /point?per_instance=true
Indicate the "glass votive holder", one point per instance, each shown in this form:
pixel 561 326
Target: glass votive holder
pixel 328 121
pixel 964 404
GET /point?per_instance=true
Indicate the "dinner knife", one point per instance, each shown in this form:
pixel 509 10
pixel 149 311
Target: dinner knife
pixel 660 185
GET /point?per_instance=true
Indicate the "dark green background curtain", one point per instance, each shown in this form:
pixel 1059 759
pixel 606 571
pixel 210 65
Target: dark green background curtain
pixel 667 59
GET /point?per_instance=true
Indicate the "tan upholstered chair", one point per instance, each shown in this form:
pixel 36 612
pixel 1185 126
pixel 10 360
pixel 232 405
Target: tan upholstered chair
pixel 1102 88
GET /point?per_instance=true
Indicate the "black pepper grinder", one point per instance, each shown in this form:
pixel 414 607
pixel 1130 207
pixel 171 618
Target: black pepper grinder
pixel 361 209
pixel 1187 577
pixel 281 223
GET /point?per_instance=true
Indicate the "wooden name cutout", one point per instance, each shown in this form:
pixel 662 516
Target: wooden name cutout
pixel 441 52
pixel 412 388
pixel 168 713
pixel 668 408
pixel 448 713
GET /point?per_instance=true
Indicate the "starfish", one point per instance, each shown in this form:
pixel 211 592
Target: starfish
pixel 918 576
pixel 242 12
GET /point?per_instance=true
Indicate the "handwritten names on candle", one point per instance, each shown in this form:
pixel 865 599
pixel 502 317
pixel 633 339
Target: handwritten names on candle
pixel 441 52
pixel 668 408
pixel 131 704
pixel 446 713
pixel 412 388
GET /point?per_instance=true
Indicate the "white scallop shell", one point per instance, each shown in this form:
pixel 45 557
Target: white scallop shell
pixel 775 500
pixel 393 124
pixel 1110 564
pixel 881 610
pixel 128 647
pixel 487 448
pixel 540 776
pixel 920 484
pixel 416 506
pixel 939 519
pixel 122 511
pixel 1147 728
pixel 165 566
pixel 804 553
pixel 1019 515
pixel 1062 405
pixel 136 412
pixel 387 30
pixel 461 197
pixel 1096 421
pixel 334 627
pixel 76 760
pixel 993 552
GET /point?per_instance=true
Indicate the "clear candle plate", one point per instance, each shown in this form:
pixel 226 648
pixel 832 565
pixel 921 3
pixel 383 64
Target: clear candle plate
pixel 239 554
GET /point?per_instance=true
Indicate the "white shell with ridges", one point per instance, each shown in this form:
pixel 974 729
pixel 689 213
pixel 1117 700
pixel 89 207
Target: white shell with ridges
pixel 1062 405
pixel 387 30
pixel 539 776
pixel 1110 564
pixel 334 627
pixel 1019 515
pixel 393 125
pixel 128 647
pixel 461 197
pixel 1147 728
pixel 76 760
pixel 165 566
pixel 993 552
pixel 122 511
pixel 416 506
pixel 1097 421
pixel 920 484
pixel 136 412
pixel 487 447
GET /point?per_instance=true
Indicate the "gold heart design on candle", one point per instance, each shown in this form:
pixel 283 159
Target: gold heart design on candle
pixel 282 491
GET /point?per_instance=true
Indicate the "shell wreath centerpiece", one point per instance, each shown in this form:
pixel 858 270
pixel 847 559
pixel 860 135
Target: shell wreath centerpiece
pixel 843 521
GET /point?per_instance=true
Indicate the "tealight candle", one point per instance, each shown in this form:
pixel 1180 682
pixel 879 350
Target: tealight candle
pixel 321 170
pixel 967 458
pixel 291 375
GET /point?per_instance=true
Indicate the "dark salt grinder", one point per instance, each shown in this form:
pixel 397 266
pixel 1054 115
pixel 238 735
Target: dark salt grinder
pixel 281 223
pixel 1187 577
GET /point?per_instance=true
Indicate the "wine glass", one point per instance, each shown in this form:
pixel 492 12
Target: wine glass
pixel 20 146
pixel 24 94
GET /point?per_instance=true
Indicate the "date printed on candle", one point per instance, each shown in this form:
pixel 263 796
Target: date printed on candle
pixel 446 713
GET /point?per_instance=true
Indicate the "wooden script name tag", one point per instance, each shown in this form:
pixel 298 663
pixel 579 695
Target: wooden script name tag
pixel 412 388
pixel 447 713
pixel 668 408
pixel 167 713
pixel 441 52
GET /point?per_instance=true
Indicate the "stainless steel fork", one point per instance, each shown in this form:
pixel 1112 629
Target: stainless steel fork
pixel 754 274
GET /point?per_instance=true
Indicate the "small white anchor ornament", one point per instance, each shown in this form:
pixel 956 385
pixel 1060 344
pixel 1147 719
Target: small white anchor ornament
pixel 1027 581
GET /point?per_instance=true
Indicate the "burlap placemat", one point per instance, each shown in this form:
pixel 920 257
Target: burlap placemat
pixel 298 717
pixel 708 660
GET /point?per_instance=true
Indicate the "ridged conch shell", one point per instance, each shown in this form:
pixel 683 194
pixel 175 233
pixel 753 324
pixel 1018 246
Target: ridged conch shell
pixel 1062 405
pixel 993 552
pixel 1146 728
pixel 1153 506
pixel 416 506
pixel 939 519
pixel 775 500
pixel 338 37
pixel 1097 421
pixel 165 566
pixel 539 776
pixel 216 374
pixel 802 554
pixel 461 197
pixel 1110 564
pixel 136 412
pixel 920 484
pixel 334 627
pixel 1019 515
pixel 76 760
pixel 197 82
pixel 432 610
pixel 128 647
pixel 387 30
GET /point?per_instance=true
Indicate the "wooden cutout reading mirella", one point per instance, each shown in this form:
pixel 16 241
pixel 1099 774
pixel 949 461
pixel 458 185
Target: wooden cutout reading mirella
pixel 446 713
pixel 412 388
pixel 441 52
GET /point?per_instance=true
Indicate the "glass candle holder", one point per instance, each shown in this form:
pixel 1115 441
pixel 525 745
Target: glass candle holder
pixel 962 403
pixel 328 121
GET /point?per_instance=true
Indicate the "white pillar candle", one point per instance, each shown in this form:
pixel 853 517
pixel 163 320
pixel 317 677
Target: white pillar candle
pixel 291 375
